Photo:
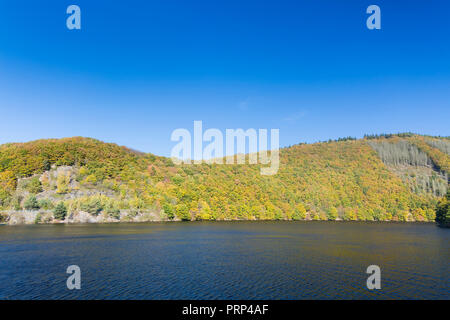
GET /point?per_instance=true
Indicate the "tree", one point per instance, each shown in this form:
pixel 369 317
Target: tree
pixel 45 204
pixel 205 210
pixel 183 212
pixel 92 179
pixel 34 185
pixel 112 209
pixel 443 211
pixel 60 211
pixel 346 174
pixel 431 214
pixel 299 212
pixel 45 182
pixel 332 213
pixel 62 183
pixel 168 210
pixel 91 205
pixel 31 203
pixel 83 171
pixel 8 184
pixel 46 165
pixel 8 181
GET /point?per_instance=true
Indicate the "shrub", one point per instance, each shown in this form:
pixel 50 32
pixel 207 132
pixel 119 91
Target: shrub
pixel 92 206
pixel 34 185
pixel 92 179
pixel 62 183
pixel 38 218
pixel 16 203
pixel 45 204
pixel 4 198
pixel 83 171
pixel 133 213
pixel 113 211
pixel 31 203
pixel 115 214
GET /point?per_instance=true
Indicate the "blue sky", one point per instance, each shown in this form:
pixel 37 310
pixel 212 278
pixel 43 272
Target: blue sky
pixel 137 70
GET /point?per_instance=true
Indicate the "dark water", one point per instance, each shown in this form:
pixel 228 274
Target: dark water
pixel 225 260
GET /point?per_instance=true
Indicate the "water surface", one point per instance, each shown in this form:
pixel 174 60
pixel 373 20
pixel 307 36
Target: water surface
pixel 225 260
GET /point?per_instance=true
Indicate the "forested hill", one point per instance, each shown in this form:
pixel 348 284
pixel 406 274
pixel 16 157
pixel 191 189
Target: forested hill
pixel 389 177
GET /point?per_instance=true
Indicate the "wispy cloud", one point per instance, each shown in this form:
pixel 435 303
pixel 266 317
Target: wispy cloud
pixel 243 105
pixel 295 116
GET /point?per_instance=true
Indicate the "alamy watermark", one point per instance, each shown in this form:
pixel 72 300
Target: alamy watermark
pixel 374 280
pixel 74 280
pixel 73 22
pixel 374 20
pixel 240 146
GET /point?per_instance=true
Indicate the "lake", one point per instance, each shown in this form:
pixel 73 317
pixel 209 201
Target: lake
pixel 225 260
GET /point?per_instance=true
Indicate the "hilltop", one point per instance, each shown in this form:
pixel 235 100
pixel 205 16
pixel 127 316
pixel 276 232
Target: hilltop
pixel 383 178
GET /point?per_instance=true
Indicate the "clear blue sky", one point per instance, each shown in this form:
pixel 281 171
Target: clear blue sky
pixel 137 70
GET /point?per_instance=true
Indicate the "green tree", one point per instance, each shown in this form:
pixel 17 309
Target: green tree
pixel 443 211
pixel 168 210
pixel 16 203
pixel 45 204
pixel 113 210
pixel 92 206
pixel 60 211
pixel 183 212
pixel 31 203
pixel 205 210
pixel 332 213
pixel 299 212
pixel 34 185
pixel 38 218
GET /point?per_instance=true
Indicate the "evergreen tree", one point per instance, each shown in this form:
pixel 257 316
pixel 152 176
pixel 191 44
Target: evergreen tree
pixel 31 203
pixel 60 211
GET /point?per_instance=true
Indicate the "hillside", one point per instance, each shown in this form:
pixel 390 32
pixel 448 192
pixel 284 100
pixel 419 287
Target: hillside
pixel 388 177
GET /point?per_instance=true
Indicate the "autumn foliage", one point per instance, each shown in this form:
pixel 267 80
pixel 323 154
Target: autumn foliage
pixel 343 180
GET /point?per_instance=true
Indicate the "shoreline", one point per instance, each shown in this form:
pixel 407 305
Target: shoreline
pixel 65 223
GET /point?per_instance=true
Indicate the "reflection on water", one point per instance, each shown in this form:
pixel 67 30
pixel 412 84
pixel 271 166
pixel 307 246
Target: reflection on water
pixel 225 260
